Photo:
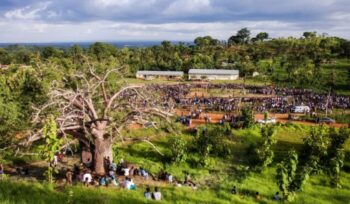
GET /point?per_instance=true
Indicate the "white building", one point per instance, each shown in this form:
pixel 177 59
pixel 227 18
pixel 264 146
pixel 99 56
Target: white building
pixel 213 74
pixel 149 75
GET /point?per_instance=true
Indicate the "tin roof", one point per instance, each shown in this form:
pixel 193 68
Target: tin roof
pixel 161 73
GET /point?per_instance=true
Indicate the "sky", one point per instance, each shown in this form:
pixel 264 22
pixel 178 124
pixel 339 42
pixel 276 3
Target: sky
pixel 175 20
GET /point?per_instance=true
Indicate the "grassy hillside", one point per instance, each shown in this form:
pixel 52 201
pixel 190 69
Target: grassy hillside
pixel 214 181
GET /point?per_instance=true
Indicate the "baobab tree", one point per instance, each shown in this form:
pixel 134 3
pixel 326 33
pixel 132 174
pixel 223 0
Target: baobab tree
pixel 94 108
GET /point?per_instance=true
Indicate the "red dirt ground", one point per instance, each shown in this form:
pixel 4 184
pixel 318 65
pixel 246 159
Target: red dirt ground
pixel 282 118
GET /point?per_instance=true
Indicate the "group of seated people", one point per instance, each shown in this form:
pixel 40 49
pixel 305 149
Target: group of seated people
pixel 82 173
pixel 256 195
pixel 156 195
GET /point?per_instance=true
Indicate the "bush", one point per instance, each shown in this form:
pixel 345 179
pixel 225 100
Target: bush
pixel 217 137
pixel 178 147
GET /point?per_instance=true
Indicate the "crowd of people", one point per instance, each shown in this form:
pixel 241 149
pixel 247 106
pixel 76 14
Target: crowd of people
pixel 114 172
pixel 261 99
pixel 273 99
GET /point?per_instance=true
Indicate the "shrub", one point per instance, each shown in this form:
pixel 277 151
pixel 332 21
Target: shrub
pixel 247 117
pixel 178 147
pixel 215 136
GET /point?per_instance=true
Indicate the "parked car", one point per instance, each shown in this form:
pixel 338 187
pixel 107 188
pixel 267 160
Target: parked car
pixel 300 109
pixel 326 120
pixel 267 121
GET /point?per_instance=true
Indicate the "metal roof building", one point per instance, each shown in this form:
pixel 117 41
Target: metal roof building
pixel 154 74
pixel 213 74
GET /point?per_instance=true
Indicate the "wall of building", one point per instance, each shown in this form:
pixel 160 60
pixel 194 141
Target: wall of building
pixel 150 77
pixel 212 77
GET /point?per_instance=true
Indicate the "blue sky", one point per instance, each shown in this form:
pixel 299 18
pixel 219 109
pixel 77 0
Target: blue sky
pixel 124 20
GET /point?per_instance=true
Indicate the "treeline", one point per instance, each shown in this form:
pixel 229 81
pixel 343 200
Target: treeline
pixel 242 51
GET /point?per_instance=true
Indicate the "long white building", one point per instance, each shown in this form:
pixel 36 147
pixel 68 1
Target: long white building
pixel 149 75
pixel 213 74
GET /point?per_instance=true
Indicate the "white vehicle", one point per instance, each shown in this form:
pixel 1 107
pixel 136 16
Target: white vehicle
pixel 301 109
pixel 267 121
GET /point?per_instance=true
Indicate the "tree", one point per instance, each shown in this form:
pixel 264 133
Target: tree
pixel 242 37
pixel 97 107
pixel 262 36
pixel 336 154
pixel 178 147
pixel 20 87
pixel 48 52
pixel 51 146
pixel 76 53
pixel 102 51
pixel 309 34
pixel 264 150
pixel 216 137
pixel 247 117
pixel 5 57
pixel 286 174
pixel 315 147
pixel 314 150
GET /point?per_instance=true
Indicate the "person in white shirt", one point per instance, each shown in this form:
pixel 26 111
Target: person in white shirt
pixel 87 177
pixel 128 183
pixel 148 194
pixel 126 171
pixel 111 173
pixel 170 178
pixel 114 182
pixel 55 160
pixel 156 194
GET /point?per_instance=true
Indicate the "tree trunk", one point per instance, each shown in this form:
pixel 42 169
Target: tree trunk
pixel 103 150
pixel 86 152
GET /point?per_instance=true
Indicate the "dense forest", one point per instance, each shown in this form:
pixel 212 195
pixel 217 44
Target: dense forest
pixel 241 51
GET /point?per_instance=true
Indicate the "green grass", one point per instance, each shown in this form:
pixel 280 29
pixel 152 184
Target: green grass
pixel 317 190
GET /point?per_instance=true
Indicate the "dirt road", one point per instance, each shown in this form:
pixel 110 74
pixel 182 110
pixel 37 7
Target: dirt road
pixel 282 118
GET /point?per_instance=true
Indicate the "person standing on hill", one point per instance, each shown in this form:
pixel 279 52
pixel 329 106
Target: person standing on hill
pixel 69 176
pixel 1 171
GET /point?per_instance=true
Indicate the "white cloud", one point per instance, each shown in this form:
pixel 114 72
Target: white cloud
pixel 119 3
pixel 17 31
pixel 28 12
pixel 113 20
pixel 185 7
